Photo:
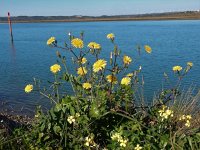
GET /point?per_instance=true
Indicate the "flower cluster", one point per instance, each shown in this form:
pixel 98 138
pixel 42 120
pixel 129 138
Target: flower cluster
pixel 165 113
pixel 72 119
pixel 89 141
pixel 117 137
pixel 138 147
pixel 187 119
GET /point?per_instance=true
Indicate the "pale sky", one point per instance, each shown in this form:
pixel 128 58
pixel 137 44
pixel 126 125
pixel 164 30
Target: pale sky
pixel 93 7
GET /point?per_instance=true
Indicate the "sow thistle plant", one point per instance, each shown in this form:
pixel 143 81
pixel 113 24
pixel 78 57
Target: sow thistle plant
pixel 101 112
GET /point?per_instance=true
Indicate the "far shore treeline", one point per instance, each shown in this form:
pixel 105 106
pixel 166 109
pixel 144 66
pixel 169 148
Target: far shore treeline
pixel 78 18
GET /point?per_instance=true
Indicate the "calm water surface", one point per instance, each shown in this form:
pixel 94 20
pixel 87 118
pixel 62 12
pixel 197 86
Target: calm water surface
pixel 173 43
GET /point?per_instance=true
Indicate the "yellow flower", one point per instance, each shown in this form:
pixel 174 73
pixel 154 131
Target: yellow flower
pixel 130 75
pixel 190 64
pixel 28 88
pixel 87 86
pixel 81 71
pixel 138 147
pixel 111 78
pixel 127 60
pixel 94 45
pixel 51 40
pixel 177 68
pixel 187 124
pixel 83 60
pixel 99 65
pixel 147 48
pixel 126 81
pixel 110 36
pixel 71 119
pixel 55 68
pixel 123 142
pixel 77 43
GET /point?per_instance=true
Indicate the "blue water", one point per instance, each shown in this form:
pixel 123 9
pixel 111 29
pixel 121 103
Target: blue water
pixel 173 43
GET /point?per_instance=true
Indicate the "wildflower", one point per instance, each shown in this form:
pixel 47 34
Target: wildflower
pixel 182 117
pixel 51 40
pixel 77 43
pixel 187 124
pixel 81 71
pixel 83 60
pixel 177 68
pixel 123 142
pixel 138 147
pixel 55 68
pixel 130 75
pixel 189 117
pixel 94 45
pixel 126 81
pixel 110 36
pixel 127 60
pixel 28 88
pixel 190 64
pixel 99 65
pixel 147 48
pixel 165 114
pixel 111 78
pixel 87 86
pixel 77 115
pixel 71 119
pixel 116 136
pixel 89 141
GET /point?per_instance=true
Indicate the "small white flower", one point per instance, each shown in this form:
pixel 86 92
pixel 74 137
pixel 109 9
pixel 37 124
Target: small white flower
pixel 71 119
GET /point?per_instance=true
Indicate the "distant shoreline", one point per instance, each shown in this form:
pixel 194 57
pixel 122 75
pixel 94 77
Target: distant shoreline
pixel 191 15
